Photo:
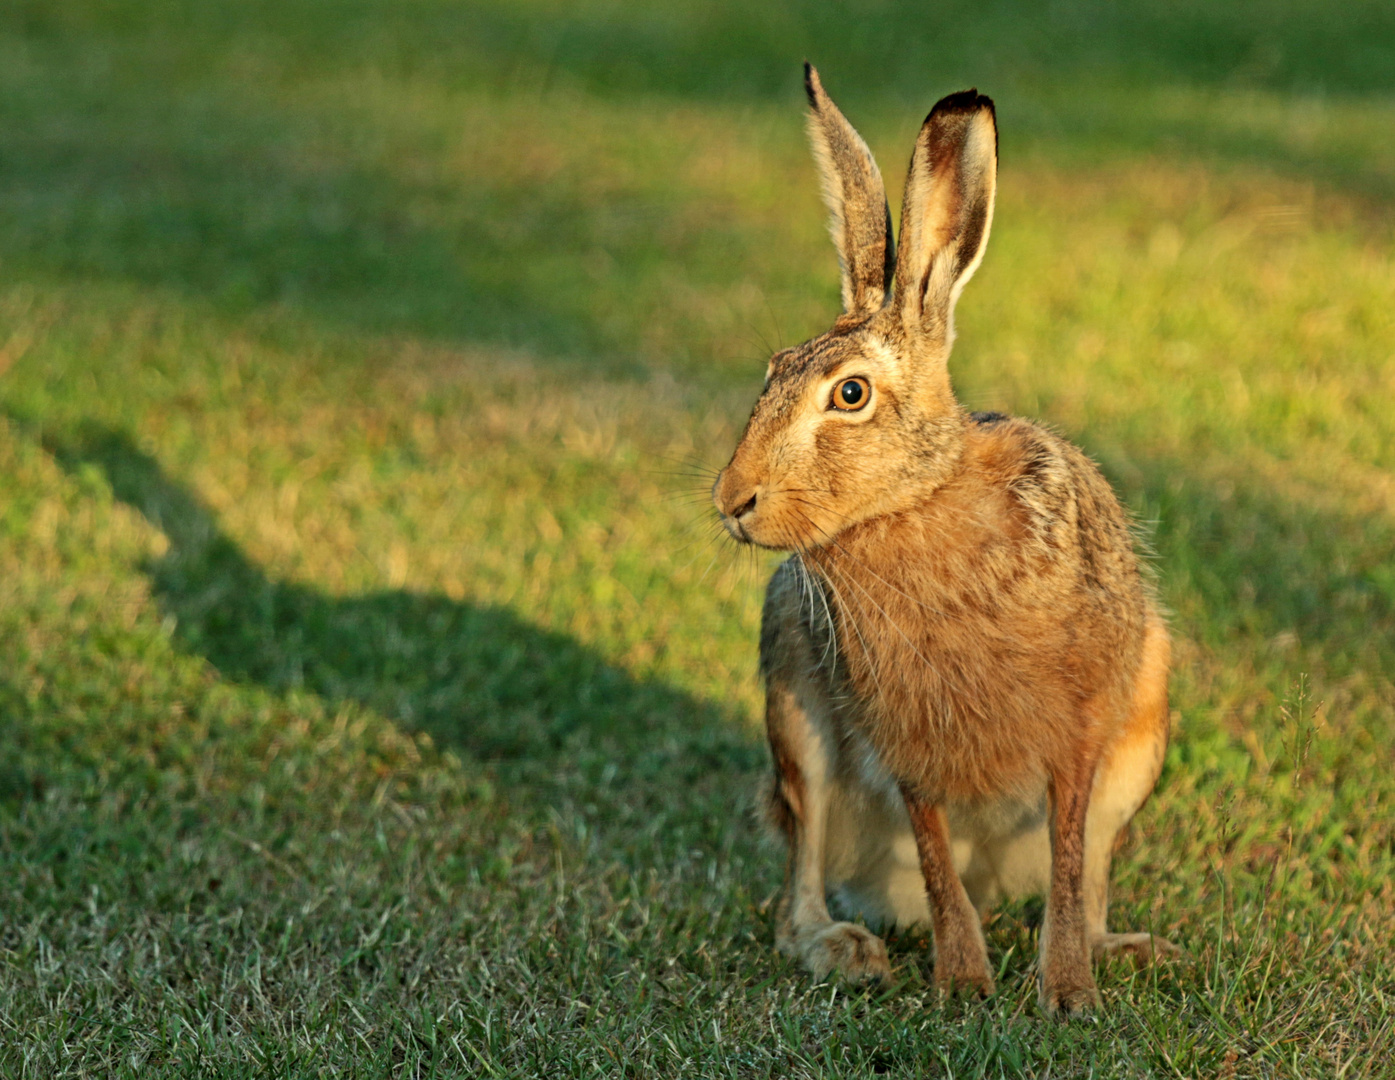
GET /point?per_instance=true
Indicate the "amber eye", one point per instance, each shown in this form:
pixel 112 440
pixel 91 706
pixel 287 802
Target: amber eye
pixel 851 394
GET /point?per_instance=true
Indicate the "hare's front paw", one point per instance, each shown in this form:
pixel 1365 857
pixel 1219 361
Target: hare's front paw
pixel 1065 1001
pixel 962 967
pixel 854 951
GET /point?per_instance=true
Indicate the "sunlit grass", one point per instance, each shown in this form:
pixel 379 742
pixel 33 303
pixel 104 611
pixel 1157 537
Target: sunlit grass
pixel 375 693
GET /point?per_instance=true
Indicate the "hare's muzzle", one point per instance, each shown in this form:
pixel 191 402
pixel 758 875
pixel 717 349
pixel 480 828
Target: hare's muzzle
pixel 736 502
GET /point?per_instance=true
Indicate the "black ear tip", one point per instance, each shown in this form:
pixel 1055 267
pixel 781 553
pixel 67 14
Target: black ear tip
pixel 965 101
pixel 811 84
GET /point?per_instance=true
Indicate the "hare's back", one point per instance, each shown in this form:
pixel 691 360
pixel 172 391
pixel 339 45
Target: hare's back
pixel 1058 496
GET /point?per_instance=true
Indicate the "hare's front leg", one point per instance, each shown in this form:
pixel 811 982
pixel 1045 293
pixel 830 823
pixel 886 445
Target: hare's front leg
pixel 1067 983
pixel 800 746
pixel 961 957
pixel 799 719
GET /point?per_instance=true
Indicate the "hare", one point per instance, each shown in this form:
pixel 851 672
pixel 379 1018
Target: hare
pixel 966 672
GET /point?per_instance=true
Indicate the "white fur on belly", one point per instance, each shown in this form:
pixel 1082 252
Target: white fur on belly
pixel 872 868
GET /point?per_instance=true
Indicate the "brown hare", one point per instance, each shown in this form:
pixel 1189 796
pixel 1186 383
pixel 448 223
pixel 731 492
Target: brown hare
pixel 966 672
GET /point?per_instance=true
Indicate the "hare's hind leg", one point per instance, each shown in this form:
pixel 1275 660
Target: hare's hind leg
pixel 1089 810
pixel 803 747
pixel 1123 781
pixel 804 928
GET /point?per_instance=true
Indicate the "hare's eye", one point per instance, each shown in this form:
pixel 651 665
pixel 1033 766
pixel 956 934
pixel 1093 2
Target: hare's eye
pixel 851 394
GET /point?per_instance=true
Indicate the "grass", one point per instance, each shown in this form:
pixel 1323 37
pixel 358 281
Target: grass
pixel 373 698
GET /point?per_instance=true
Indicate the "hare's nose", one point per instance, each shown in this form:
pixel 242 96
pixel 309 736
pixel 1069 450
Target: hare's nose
pixel 734 495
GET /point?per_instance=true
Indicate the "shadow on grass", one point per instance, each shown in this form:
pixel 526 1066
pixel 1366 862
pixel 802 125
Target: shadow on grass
pixel 475 677
pixel 254 186
pixel 479 678
pixel 252 218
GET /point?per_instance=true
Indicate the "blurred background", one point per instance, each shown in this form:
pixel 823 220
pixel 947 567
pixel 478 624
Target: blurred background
pixel 374 686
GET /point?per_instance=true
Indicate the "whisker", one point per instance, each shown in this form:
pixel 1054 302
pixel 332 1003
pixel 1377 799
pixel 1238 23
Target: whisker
pixel 942 673
pixel 887 616
pixel 833 540
pixel 710 564
pixel 852 622
pixel 829 633
pixel 779 330
pixel 686 469
pixel 900 592
pixel 694 497
pixel 702 543
pixel 844 573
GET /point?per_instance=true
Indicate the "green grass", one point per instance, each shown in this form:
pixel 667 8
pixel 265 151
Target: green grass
pixel 374 699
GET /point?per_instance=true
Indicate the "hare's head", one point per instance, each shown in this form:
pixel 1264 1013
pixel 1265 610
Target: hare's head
pixel 861 421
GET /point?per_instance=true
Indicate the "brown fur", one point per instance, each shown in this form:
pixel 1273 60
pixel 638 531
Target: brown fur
pixel 961 961
pixel 964 625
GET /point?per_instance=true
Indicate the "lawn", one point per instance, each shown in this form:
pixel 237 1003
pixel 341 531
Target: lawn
pixel 376 695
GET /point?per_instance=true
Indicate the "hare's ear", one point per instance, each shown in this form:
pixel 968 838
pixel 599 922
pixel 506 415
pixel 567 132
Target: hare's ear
pixel 856 198
pixel 946 211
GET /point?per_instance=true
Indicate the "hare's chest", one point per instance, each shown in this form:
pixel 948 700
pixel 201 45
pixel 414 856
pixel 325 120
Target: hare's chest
pixel 958 714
